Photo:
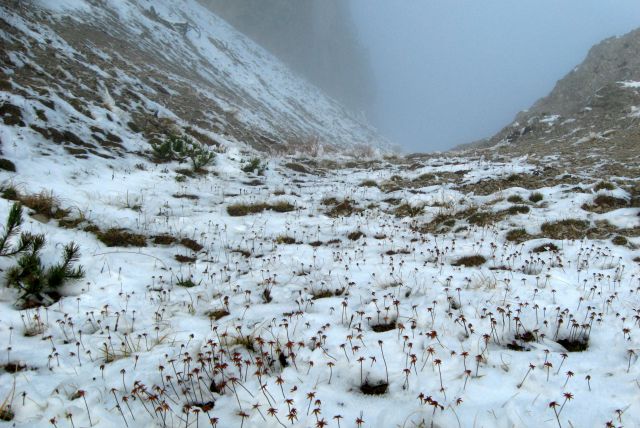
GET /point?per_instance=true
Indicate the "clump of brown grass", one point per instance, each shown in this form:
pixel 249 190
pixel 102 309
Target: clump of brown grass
pixel 191 244
pixel 45 204
pixel 470 261
pixel 549 246
pixel 240 209
pixel 369 183
pixel 518 236
pixel 605 203
pixel 565 229
pixel 355 235
pixel 284 239
pixel 407 210
pixel 184 259
pixel 164 239
pixel 116 237
pixel 344 208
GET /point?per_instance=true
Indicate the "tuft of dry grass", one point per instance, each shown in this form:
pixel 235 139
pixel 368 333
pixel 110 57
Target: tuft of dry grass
pixel 240 210
pixel 284 239
pixel 326 293
pixel 535 197
pixel 605 203
pixel 484 218
pixel 470 261
pixel 184 259
pixel 121 238
pixel 216 314
pixel 565 229
pixel 620 240
pixel 282 207
pixel 369 183
pixel 518 236
pixel 45 204
pixel 406 210
pixel 191 244
pixel 163 239
pixel 604 185
pixel 344 208
pixel 517 209
pixel 186 196
pixel 549 246
pixel 355 235
pixel 297 167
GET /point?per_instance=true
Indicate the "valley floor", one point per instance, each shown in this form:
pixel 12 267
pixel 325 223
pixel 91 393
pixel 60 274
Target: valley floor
pixel 395 292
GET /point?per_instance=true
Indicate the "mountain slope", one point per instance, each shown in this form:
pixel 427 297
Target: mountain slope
pixel 616 59
pixel 148 67
pixel 317 38
pixel 594 111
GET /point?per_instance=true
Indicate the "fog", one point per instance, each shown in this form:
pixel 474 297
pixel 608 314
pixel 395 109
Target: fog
pixel 452 72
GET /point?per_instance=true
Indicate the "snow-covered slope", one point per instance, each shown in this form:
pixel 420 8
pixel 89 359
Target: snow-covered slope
pixel 402 292
pixel 148 67
pixel 273 291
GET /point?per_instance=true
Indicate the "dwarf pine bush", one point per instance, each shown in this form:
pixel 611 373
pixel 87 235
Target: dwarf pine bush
pixel 30 276
pixel 182 149
pixel 34 280
pixel 11 229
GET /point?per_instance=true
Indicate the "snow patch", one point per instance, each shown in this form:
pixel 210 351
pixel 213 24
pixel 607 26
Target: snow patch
pixel 630 84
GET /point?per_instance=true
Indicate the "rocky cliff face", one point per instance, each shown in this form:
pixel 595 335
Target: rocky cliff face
pixel 315 37
pixel 591 116
pixel 143 69
pixel 616 59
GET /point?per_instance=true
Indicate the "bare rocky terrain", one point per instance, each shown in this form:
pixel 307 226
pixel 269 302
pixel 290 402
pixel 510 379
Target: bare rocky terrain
pixel 591 119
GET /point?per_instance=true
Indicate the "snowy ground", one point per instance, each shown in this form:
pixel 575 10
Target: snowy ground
pixel 343 302
pixel 283 325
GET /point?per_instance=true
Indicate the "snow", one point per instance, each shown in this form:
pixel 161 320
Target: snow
pixel 120 281
pixel 630 84
pixel 112 331
pixel 550 120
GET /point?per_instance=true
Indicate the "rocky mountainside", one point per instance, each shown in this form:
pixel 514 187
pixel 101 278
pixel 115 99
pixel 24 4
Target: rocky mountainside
pixel 116 74
pixel 317 38
pixel 594 111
